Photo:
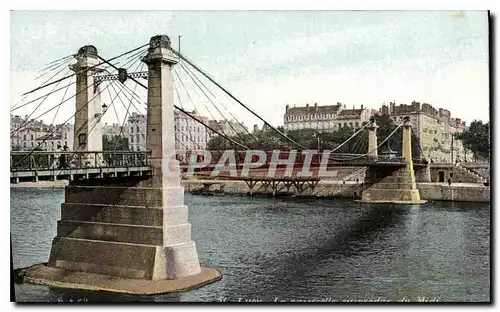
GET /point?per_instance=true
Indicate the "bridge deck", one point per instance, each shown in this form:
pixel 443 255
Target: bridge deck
pixel 77 173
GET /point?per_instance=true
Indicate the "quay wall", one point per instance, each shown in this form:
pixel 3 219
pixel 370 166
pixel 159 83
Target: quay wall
pixel 428 191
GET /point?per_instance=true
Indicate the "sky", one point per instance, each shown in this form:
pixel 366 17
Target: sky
pixel 268 59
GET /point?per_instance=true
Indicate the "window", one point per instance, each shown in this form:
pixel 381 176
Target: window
pixel 357 124
pixel 131 139
pixel 24 138
pixel 131 129
pixel 137 129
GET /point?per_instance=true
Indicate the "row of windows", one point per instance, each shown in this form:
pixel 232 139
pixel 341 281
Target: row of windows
pixel 309 117
pixel 297 126
pixel 190 128
pixel 185 138
pixel 137 137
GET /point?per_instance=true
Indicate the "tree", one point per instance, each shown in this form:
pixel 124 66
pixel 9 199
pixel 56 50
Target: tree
pixel 477 139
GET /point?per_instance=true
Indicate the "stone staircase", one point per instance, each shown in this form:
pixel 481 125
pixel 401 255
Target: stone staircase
pixel 477 178
pixel 357 175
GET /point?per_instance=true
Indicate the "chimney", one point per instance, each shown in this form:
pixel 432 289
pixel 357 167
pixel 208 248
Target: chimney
pixel 286 108
pixel 316 106
pixel 441 112
pixel 256 128
pixel 307 105
pixel 361 106
pixel 339 104
pixel 392 106
pixel 344 105
pixel 353 107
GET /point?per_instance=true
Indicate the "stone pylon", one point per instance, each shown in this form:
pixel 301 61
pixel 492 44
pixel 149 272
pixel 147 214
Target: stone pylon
pixel 131 234
pixel 372 138
pixel 180 251
pixel 88 107
pixel 393 184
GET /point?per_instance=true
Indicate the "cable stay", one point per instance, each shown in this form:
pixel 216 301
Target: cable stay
pixel 42 101
pixel 373 150
pixel 49 110
pixel 187 69
pixel 180 103
pixel 58 128
pixel 112 101
pixel 87 69
pixel 38 98
pixel 350 138
pixel 234 98
pixel 50 71
pixel 213 104
pixel 190 115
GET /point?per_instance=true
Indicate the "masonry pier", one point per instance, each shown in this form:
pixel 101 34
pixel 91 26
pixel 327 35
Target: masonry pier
pixel 132 238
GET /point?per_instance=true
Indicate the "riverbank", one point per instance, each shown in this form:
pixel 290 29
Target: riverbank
pixel 41 184
pixel 466 192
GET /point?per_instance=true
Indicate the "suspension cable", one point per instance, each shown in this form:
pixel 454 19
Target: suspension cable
pixel 373 150
pixel 234 98
pixel 42 101
pixel 187 69
pixel 57 128
pixel 187 113
pixel 52 108
pixel 213 104
pixel 87 69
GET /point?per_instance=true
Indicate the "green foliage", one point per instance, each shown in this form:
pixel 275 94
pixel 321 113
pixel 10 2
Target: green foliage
pixel 477 139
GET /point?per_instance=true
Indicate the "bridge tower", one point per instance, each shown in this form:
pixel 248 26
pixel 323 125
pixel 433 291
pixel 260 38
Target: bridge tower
pixel 372 138
pixel 388 183
pixel 181 258
pixel 88 128
pixel 129 234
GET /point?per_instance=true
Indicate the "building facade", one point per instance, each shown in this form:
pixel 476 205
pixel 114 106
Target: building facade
pixel 317 117
pixel 189 133
pixel 353 118
pixel 27 135
pixel 230 128
pixel 326 118
pixel 434 128
pixel 135 131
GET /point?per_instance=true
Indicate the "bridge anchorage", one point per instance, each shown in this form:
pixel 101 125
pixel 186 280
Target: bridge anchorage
pixel 130 235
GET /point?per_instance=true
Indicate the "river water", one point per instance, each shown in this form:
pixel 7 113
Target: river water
pixel 289 249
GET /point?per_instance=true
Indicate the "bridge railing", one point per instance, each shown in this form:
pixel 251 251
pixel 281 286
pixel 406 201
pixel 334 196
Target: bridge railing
pixel 42 160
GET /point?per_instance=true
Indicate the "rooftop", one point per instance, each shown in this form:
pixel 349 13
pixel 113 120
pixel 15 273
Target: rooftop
pixel 313 109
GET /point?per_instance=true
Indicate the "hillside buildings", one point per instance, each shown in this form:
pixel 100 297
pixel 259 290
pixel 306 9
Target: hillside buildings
pixel 27 135
pixel 325 118
pixel 434 127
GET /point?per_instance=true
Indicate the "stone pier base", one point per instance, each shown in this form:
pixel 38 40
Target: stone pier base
pixel 41 274
pixel 391 185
